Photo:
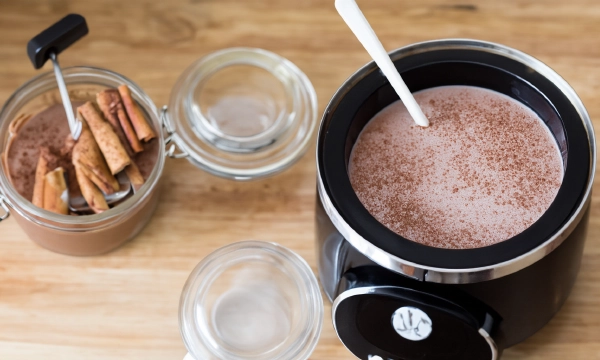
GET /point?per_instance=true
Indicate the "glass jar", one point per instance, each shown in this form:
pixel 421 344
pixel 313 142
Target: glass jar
pixel 251 300
pixel 239 113
pixel 90 234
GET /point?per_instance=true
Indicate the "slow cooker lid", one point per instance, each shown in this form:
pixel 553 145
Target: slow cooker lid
pixel 368 92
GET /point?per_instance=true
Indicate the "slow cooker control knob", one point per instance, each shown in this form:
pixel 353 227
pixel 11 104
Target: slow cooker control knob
pixel 396 323
pixel 412 323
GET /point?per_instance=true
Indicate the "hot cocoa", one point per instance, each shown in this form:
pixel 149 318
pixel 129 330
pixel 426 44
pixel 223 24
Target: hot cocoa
pixel 485 169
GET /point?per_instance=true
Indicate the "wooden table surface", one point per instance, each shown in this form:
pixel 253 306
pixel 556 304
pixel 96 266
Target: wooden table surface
pixel 124 305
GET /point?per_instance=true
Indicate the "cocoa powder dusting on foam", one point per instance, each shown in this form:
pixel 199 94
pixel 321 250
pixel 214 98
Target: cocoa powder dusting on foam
pixel 483 171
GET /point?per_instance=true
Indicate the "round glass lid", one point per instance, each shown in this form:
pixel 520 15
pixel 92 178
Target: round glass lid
pixel 242 113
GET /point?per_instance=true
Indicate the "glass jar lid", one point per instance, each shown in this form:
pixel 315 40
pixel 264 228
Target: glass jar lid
pixel 251 300
pixel 242 113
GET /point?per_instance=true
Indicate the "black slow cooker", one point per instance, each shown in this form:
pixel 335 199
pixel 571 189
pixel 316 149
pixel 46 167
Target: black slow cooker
pixel 396 299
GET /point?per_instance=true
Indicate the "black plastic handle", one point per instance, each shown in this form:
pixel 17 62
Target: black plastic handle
pixel 56 38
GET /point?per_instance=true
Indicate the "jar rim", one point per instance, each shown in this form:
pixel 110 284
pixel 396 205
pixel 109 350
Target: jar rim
pixel 225 257
pixel 77 75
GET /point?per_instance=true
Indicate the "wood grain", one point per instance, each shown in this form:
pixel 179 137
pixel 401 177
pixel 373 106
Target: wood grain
pixel 124 305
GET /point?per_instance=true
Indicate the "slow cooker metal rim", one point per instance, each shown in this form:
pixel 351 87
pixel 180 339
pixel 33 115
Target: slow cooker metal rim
pixel 465 275
pixel 378 289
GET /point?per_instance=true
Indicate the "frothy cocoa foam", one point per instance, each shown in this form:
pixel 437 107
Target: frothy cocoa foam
pixel 485 169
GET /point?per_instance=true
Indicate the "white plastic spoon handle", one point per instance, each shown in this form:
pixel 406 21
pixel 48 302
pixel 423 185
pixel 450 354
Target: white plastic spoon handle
pixel 359 25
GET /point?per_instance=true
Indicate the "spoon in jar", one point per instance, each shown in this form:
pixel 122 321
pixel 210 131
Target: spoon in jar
pixel 356 21
pixel 79 205
pixel 47 45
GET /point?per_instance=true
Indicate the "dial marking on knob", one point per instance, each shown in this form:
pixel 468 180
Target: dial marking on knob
pixel 412 323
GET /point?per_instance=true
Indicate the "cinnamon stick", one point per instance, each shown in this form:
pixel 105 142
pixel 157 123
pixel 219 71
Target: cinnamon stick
pixel 101 184
pixel 134 175
pixel 17 123
pixel 138 120
pixel 56 195
pixel 90 192
pixel 111 105
pixel 115 154
pixel 87 156
pixel 40 178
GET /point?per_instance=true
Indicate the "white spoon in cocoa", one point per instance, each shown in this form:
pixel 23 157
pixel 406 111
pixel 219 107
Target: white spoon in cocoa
pixel 356 21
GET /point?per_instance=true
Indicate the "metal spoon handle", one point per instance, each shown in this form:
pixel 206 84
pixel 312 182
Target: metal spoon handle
pixel 47 45
pixel 74 123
